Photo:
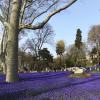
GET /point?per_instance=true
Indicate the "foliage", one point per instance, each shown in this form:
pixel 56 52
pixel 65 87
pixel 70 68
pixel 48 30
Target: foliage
pixel 94 39
pixel 78 41
pixel 38 38
pixel 94 35
pixel 96 71
pixel 60 47
pixel 77 57
pixel 70 62
pixel 57 61
pixel 80 57
pixel 57 64
pixel 45 55
pixel 93 55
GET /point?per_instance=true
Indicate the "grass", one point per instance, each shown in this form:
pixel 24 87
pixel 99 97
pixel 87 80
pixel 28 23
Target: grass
pixel 96 71
pixel 83 75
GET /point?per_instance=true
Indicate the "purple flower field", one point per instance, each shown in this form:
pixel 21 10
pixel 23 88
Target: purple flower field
pixel 51 86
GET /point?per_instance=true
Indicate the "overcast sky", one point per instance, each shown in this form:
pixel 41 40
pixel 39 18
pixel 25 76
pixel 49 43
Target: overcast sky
pixel 83 14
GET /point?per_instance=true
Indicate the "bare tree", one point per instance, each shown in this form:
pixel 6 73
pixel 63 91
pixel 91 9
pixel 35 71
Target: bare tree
pixel 17 15
pixel 41 37
pixel 94 39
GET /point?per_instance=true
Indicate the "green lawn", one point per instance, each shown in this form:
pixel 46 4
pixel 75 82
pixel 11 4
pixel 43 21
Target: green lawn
pixel 96 71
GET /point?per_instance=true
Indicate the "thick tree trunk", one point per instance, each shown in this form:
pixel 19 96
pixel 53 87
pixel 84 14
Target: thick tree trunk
pixel 12 44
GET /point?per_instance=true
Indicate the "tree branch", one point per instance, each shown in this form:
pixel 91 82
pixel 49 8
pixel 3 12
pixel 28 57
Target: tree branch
pixel 45 11
pixel 30 3
pixel 40 25
pixel 2 19
pixel 23 10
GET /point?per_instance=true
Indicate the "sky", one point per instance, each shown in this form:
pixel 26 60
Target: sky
pixel 83 14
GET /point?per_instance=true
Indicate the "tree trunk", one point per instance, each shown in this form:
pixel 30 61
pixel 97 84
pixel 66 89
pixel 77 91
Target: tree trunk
pixel 12 43
pixel 98 55
pixel 76 57
pixel 60 60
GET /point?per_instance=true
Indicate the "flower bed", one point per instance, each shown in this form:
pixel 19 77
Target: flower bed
pixel 49 86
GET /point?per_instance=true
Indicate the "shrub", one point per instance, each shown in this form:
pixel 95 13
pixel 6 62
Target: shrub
pixel 70 62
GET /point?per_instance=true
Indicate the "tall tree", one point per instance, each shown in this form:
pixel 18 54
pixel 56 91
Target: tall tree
pixel 94 39
pixel 17 15
pixel 73 55
pixel 41 37
pixel 60 48
pixel 78 41
pixel 78 45
pixel 46 57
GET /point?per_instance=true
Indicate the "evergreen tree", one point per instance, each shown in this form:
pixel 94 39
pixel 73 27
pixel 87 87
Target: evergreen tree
pixel 78 45
pixel 45 56
pixel 78 41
